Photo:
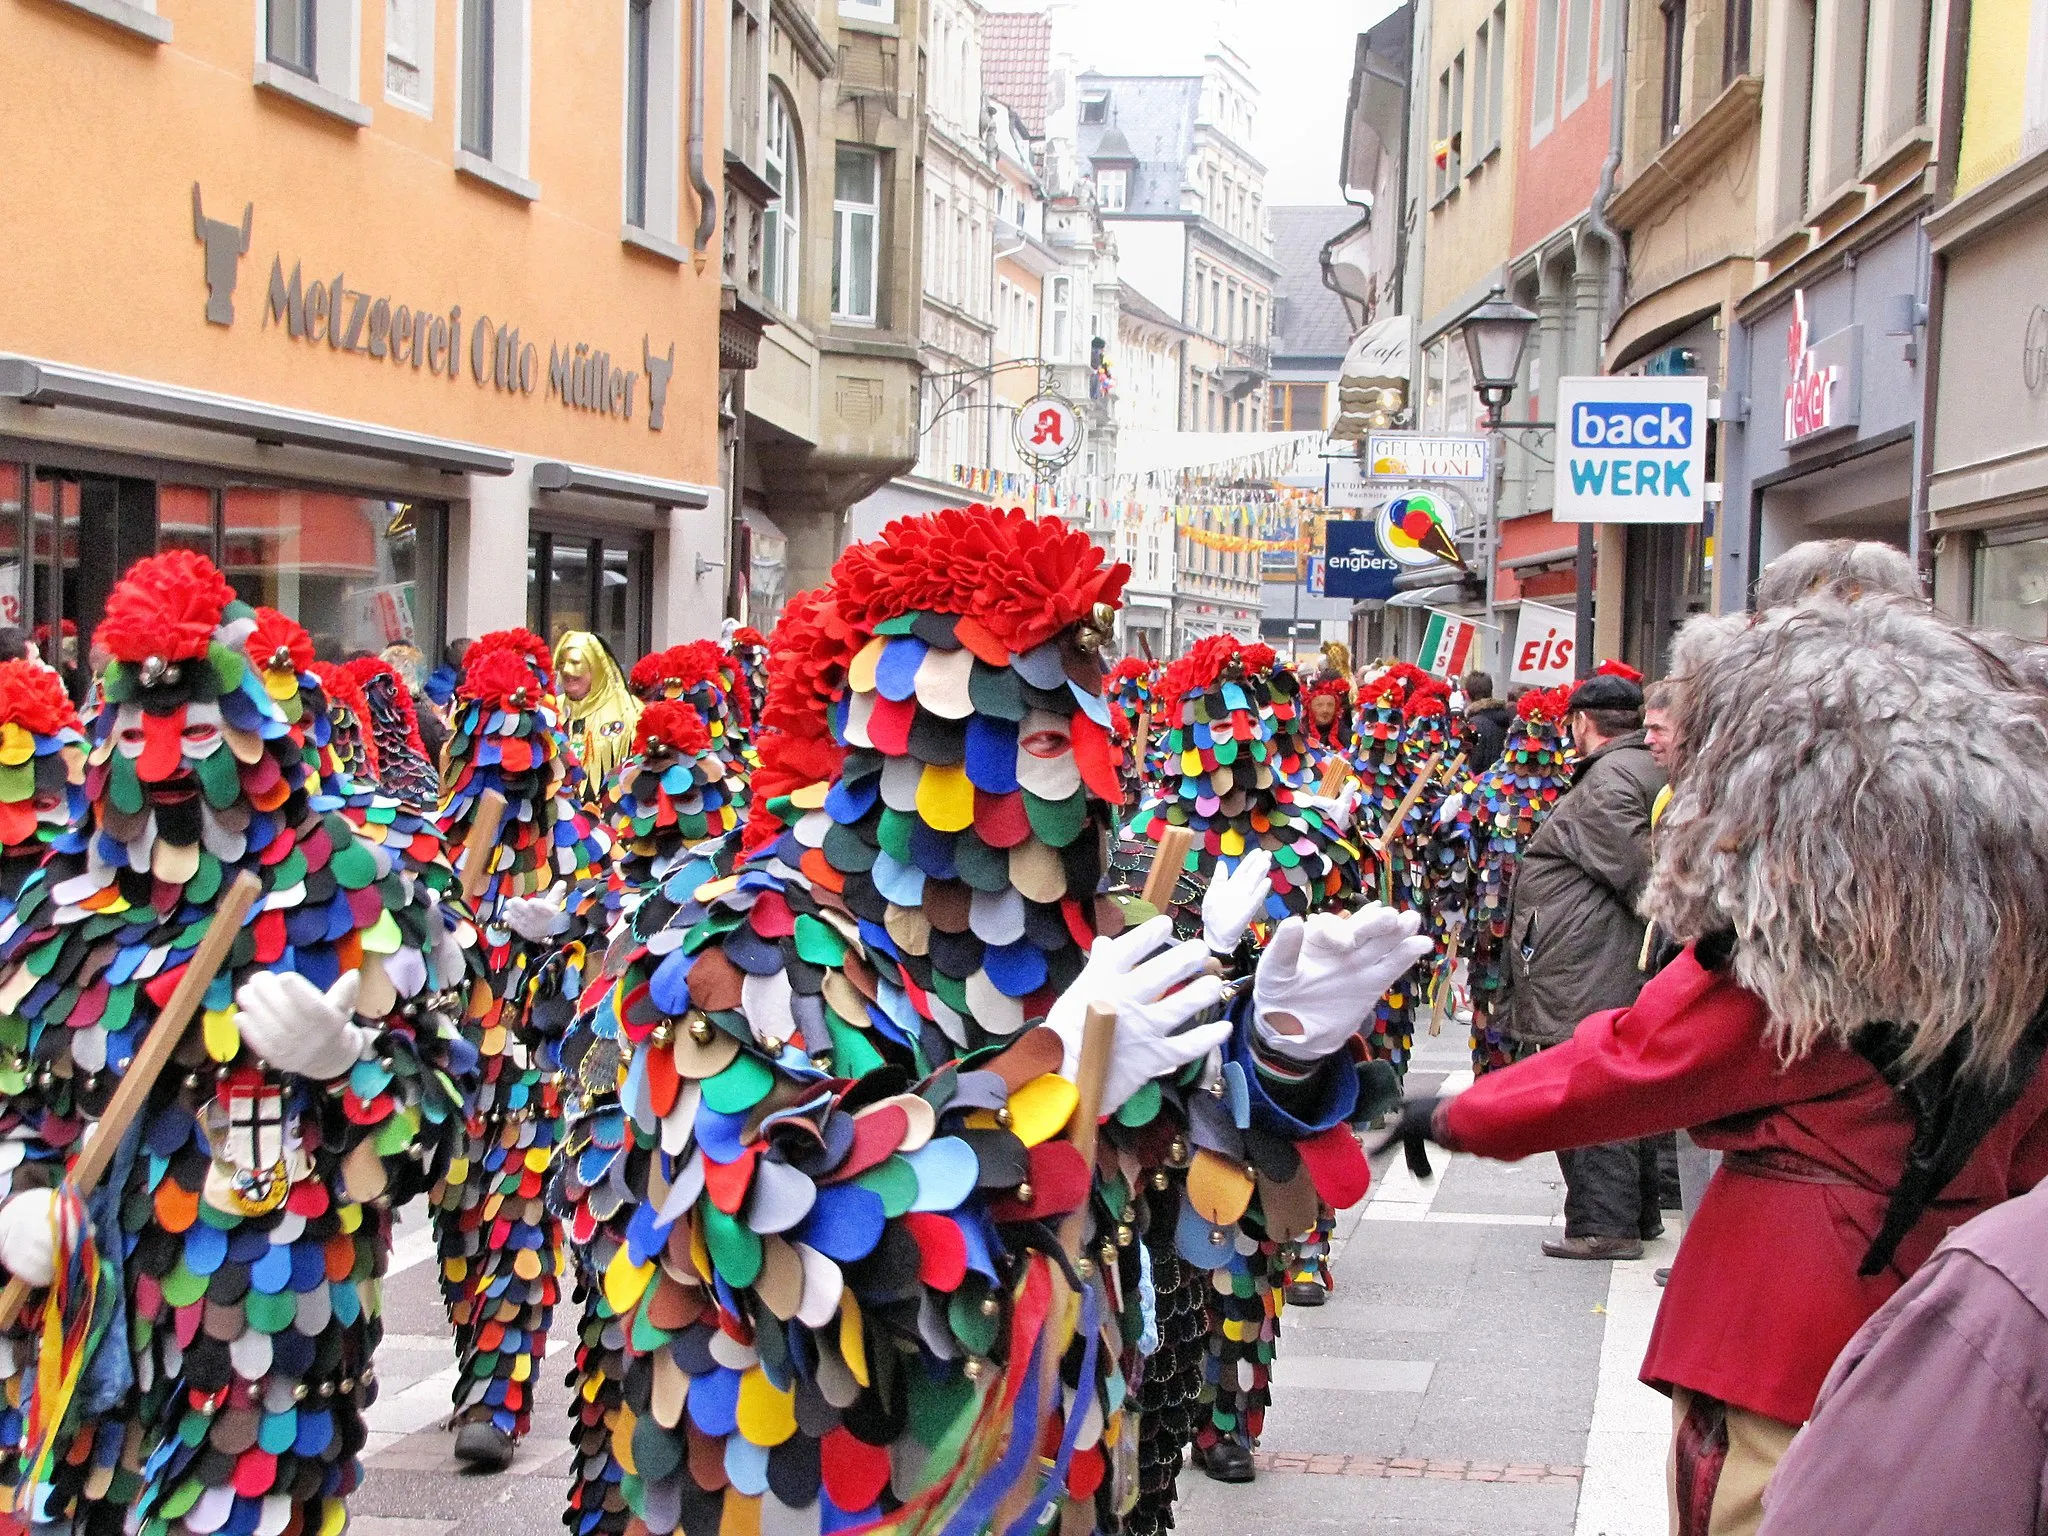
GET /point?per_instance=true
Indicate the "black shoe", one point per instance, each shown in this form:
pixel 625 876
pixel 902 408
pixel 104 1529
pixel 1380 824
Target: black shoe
pixel 484 1447
pixel 1307 1293
pixel 1653 1233
pixel 1228 1462
pixel 1594 1248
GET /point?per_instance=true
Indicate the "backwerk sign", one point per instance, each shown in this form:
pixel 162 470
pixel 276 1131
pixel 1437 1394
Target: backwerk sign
pixel 1631 450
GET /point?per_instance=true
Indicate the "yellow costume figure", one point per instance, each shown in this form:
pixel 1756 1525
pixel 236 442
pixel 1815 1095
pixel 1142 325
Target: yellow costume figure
pixel 598 710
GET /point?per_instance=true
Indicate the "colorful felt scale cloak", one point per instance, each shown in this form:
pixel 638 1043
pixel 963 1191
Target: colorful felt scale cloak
pixel 501 1252
pixel 404 770
pixel 243 1226
pixel 821 1218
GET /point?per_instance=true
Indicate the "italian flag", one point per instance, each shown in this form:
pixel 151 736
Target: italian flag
pixel 1447 644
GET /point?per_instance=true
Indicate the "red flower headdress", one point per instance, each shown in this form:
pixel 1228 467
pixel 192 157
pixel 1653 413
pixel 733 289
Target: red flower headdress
pixel 1544 705
pixel 167 607
pixel 502 678
pixel 517 642
pixel 342 690
pixel 1204 666
pixel 746 634
pixel 674 726
pixel 33 697
pixel 1620 669
pixel 1013 581
pixel 279 643
pixel 1430 697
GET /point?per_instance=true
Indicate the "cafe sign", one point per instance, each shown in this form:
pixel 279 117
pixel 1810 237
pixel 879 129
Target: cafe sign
pixel 1823 386
pixel 441 341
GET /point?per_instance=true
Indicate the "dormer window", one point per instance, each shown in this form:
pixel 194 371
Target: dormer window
pixel 1095 109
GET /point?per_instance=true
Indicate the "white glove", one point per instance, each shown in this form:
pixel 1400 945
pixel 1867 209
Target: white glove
pixel 1127 974
pixel 1235 901
pixel 1320 979
pixel 536 918
pixel 297 1028
pixel 446 948
pixel 28 1237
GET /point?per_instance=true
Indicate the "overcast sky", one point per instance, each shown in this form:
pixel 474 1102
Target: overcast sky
pixel 1300 57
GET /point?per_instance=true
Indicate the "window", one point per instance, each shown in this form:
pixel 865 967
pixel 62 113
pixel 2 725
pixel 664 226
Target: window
pixel 1216 320
pixel 883 11
pixel 1543 95
pixel 598 583
pixel 963 259
pixel 639 101
pixel 1094 109
pixel 1228 327
pixel 746 77
pixel 1671 102
pixel 1440 152
pixel 1110 189
pixel 1062 318
pixel 782 225
pixel 1296 407
pixel 1457 129
pixel 479 55
pixel 1735 27
pixel 409 54
pixel 1578 52
pixel 856 232
pixel 291 38
pixel 1482 52
pixel 1495 84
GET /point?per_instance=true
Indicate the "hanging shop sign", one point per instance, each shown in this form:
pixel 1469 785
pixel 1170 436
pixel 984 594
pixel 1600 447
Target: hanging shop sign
pixel 1633 450
pixel 1354 563
pixel 1047 430
pixel 1424 456
pixel 1447 644
pixel 1823 379
pixel 1544 641
pixel 387 328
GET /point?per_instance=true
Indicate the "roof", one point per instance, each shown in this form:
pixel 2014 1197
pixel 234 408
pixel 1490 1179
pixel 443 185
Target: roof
pixel 1016 55
pixel 1151 121
pixel 1138 307
pixel 1311 322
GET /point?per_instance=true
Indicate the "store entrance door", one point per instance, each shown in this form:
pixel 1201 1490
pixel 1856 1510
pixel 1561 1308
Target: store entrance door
pixel 84 531
pixel 590 581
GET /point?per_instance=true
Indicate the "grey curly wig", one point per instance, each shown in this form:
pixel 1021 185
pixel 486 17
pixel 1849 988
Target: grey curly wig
pixel 1860 796
pixel 1838 568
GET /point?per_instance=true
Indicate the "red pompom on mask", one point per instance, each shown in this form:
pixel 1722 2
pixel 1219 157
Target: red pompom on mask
pixel 676 727
pixel 167 607
pixel 33 697
pixel 279 643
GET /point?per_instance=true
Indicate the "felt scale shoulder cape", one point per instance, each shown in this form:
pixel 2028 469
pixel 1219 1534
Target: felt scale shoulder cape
pixel 817 1211
pixel 241 1226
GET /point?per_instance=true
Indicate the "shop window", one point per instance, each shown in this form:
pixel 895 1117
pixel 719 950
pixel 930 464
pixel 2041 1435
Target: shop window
pixel 782 224
pixel 2009 583
pixel 594 582
pixel 359 572
pixel 856 232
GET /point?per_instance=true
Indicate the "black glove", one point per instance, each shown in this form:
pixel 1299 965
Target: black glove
pixel 1414 1131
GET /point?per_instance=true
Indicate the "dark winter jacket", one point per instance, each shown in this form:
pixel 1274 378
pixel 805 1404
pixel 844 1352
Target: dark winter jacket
pixel 1490 720
pixel 1574 940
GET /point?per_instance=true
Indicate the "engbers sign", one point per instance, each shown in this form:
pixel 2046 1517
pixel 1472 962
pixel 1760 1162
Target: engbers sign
pixel 439 341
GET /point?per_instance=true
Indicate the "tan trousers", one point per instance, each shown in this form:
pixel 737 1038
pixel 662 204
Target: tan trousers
pixel 1730 1454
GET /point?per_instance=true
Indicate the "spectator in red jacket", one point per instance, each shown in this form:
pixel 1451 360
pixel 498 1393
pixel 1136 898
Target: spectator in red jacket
pixel 1854 857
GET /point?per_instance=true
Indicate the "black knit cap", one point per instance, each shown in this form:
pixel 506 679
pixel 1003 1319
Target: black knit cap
pixel 1606 691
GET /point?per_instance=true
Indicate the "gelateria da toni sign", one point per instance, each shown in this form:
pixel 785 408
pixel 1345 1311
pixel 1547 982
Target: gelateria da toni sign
pixel 324 309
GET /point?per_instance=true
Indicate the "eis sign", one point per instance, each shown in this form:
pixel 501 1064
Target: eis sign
pixel 1632 450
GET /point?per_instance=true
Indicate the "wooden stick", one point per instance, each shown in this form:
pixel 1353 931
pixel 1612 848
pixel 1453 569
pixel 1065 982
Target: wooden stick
pixel 1379 844
pixel 149 1062
pixel 1336 772
pixel 1447 978
pixel 476 848
pixel 1098 1038
pixel 1141 742
pixel 1168 861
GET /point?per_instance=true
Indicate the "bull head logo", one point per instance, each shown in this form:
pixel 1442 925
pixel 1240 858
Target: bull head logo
pixel 225 244
pixel 658 370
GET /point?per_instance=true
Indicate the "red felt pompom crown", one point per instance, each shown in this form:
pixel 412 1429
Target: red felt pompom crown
pixel 167 607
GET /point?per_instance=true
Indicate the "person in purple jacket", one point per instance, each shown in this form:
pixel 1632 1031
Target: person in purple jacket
pixel 1935 1418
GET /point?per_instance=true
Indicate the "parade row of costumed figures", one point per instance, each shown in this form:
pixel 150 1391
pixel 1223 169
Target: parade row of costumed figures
pixel 755 1035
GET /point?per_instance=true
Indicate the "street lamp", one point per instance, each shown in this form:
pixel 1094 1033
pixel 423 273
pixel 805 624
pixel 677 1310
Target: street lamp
pixel 1496 333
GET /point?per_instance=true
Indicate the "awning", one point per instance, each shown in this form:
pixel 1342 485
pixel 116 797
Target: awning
pixel 1379 359
pixel 553 475
pixel 32 382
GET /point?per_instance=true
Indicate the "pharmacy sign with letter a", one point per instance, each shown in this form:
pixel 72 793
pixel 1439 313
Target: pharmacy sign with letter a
pixel 1631 450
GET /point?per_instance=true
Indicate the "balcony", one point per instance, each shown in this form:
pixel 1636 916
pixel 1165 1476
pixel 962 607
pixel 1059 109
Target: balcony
pixel 1244 369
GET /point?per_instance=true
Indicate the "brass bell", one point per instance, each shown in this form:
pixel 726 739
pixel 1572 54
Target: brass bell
pixel 298 1392
pixel 1124 1235
pixel 1108 1253
pixel 990 1306
pixel 1128 1213
pixel 1085 1268
pixel 1177 1151
pixel 1160 1180
pixel 974 1369
pixel 1003 1117
pixel 700 1030
pixel 663 1035
pixel 1025 1193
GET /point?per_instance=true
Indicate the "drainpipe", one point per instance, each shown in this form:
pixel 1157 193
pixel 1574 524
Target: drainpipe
pixel 707 196
pixel 1610 168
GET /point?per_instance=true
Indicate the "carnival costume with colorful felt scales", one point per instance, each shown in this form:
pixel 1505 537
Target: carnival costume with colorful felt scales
pixel 404 770
pixel 1480 837
pixel 1133 706
pixel 42 773
pixel 218 1311
pixel 749 651
pixel 820 1219
pixel 673 793
pixel 702 676
pixel 501 1251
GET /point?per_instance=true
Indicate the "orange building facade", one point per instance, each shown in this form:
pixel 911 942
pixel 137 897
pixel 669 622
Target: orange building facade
pixel 405 311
